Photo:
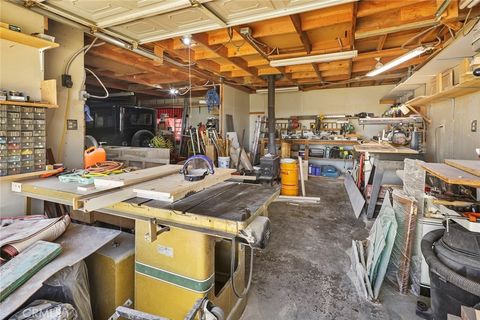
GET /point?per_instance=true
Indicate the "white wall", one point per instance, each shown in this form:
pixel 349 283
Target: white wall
pixel 454 140
pixel 328 101
pixel 20 70
pixel 70 40
pixel 237 103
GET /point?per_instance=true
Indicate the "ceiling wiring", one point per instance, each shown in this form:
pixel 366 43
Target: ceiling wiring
pixel 107 94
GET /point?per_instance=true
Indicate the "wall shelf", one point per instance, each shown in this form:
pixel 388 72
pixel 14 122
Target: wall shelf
pixel 26 39
pixel 467 87
pixel 29 104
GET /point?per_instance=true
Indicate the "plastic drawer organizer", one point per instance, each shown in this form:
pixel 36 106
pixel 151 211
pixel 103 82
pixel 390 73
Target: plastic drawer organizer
pixel 22 139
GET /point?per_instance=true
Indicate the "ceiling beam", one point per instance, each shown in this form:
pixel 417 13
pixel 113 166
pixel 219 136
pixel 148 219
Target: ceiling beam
pixel 297 23
pixel 222 52
pixel 381 41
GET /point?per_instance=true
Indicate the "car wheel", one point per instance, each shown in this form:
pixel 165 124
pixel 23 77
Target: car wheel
pixel 142 138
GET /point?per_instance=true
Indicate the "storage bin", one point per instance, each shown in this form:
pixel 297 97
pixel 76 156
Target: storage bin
pixel 39 133
pixel 3 120
pixel 14 139
pixel 3 114
pixel 39 110
pixel 14 158
pixel 39 115
pixel 14 134
pixel 3 172
pixel 27 163
pixel 27 169
pixel 27 115
pixel 39 121
pixel 27 157
pixel 12 171
pixel 13 108
pixel 3 164
pixel 14 146
pixel 3 140
pixel 26 151
pixel 27 140
pixel 38 162
pixel 13 115
pixel 40 167
pixel 27 110
pixel 13 121
pixel 3 107
pixel 14 152
pixel 14 126
pixel 27 134
pixel 38 127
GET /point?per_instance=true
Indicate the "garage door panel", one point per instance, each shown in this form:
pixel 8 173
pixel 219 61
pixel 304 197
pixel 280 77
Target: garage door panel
pixel 191 20
pixel 112 12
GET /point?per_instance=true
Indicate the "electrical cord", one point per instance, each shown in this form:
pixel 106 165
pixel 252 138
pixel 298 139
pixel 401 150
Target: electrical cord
pixel 232 270
pixel 84 49
pixel 107 94
pixel 103 168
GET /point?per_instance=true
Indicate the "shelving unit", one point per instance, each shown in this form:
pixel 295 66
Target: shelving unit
pixel 26 39
pixel 461 89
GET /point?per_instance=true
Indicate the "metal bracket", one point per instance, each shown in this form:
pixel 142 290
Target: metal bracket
pixel 153 230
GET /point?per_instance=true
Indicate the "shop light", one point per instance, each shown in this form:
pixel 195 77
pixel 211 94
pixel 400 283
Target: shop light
pixel 398 61
pixel 343 55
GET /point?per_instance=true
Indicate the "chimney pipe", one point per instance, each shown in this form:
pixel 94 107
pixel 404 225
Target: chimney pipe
pixel 271 114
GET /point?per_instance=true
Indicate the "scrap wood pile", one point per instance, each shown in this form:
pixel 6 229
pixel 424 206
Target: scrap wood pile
pixel 26 247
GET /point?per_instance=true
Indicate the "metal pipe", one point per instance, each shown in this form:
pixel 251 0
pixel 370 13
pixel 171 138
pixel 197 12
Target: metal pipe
pixel 271 114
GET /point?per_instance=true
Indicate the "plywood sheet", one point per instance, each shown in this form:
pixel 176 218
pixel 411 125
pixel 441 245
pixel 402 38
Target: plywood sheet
pixel 452 175
pixel 175 187
pixel 356 198
pixel 470 166
pixel 383 148
pixel 125 179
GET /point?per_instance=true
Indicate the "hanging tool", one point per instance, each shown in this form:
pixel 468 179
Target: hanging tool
pixel 196 174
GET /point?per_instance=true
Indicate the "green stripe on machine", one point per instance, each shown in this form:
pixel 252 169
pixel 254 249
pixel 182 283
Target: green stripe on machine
pixel 175 279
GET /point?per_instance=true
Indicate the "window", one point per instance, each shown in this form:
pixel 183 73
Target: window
pixel 139 117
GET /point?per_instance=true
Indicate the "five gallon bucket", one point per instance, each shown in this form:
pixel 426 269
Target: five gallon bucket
pixel 224 162
pixel 289 177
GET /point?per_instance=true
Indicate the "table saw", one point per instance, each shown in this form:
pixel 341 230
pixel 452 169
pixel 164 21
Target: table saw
pixel 184 250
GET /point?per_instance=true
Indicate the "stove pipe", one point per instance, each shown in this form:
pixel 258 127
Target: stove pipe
pixel 271 115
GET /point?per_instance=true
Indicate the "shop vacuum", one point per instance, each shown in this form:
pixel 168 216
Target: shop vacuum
pixel 453 258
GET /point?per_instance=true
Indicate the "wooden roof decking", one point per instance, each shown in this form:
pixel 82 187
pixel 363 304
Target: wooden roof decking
pixel 376 28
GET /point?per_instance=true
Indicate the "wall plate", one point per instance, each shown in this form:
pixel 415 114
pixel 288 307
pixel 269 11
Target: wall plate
pixel 72 124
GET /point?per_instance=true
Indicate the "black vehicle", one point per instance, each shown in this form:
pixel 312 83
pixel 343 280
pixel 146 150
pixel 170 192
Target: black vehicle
pixel 118 125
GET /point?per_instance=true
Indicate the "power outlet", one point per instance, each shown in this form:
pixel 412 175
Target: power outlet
pixel 473 126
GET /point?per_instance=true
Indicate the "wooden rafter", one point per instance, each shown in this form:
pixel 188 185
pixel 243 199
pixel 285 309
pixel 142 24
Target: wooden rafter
pixel 297 23
pixel 222 51
pixel 381 42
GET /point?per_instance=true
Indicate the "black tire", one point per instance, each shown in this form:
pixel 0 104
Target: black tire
pixel 142 138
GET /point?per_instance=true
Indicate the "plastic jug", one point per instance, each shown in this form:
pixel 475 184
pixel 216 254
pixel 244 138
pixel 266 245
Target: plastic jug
pixel 93 155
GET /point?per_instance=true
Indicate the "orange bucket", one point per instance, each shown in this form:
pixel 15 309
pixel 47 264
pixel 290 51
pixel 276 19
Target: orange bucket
pixel 289 177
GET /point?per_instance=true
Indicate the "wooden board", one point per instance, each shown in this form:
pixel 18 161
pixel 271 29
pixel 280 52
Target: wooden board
pixel 17 271
pixel 26 39
pixel 175 187
pixel 126 179
pixel 451 175
pixel 470 166
pixel 22 176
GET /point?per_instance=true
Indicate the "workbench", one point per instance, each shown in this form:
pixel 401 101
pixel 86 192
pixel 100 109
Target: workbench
pixel 385 158
pixel 182 249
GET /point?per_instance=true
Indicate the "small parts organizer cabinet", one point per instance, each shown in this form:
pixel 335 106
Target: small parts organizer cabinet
pixel 22 139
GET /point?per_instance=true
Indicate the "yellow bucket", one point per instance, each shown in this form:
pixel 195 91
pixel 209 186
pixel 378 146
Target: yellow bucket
pixel 289 190
pixel 289 177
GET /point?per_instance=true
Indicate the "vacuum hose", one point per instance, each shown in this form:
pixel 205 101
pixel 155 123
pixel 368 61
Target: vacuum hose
pixel 441 269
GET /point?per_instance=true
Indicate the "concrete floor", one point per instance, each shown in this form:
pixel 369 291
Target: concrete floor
pixel 304 272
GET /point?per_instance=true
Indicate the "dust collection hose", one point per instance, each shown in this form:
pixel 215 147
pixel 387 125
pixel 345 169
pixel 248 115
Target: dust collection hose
pixel 439 268
pixel 232 270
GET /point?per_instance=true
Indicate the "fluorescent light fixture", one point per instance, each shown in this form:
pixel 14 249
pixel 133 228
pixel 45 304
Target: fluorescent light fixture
pixel 398 61
pixel 173 91
pixel 281 89
pixel 343 55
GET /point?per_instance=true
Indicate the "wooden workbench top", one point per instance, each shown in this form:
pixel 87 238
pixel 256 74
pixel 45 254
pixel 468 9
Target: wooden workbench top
pixel 470 166
pixel 451 174
pixel 317 141
pixel 374 147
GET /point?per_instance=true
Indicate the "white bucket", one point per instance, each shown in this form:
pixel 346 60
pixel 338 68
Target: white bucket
pixel 224 162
